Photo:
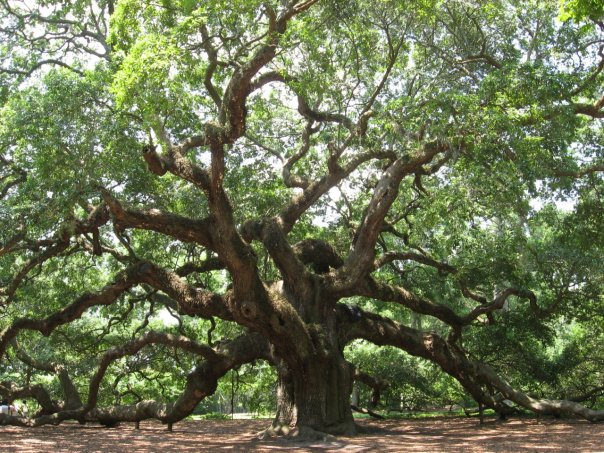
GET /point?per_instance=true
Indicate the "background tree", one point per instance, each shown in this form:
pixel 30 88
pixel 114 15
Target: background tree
pixel 313 173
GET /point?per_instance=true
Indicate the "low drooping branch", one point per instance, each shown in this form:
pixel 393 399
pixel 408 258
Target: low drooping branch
pixel 135 346
pixel 70 392
pixel 539 406
pixel 472 375
pixel 178 227
pixel 201 382
pixel 12 392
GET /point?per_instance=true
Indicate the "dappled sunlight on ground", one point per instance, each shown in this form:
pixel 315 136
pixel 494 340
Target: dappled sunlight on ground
pixel 426 435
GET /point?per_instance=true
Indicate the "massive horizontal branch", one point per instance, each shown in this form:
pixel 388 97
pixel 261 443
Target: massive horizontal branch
pixel 392 293
pixel 178 227
pixel 539 406
pixel 201 382
pixel 471 374
pixel 191 300
pixel 136 345
pixel 384 331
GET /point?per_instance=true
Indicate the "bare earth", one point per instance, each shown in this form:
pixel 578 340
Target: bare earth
pixel 441 434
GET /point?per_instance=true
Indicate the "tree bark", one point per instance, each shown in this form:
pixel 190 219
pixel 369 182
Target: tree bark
pixel 314 388
pixel 315 399
pixel 473 376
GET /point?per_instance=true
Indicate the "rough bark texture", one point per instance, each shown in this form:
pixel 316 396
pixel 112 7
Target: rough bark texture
pixel 300 322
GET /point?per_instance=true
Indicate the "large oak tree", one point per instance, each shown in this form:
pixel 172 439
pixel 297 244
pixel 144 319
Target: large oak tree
pixel 305 174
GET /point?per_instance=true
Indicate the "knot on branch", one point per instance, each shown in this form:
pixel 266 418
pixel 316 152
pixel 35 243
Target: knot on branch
pixel 215 133
pixel 154 161
pixel 353 313
pixel 364 122
pixel 98 216
pixel 251 230
pixel 319 253
pixel 114 206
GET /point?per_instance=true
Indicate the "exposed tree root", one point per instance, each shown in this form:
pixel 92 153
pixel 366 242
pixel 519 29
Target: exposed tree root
pixel 298 433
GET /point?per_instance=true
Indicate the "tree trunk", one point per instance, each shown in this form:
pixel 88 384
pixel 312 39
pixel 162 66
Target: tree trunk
pixel 315 398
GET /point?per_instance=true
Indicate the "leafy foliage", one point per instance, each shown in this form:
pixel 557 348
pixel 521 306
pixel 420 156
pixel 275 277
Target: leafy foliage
pixel 294 116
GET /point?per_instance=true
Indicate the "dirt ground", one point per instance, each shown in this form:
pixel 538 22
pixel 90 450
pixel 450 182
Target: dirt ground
pixel 427 435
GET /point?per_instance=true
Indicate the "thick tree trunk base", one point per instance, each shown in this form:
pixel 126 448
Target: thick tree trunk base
pixel 314 402
pixel 299 433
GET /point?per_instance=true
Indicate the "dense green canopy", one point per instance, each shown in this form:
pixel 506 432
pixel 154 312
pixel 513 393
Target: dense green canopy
pixel 405 194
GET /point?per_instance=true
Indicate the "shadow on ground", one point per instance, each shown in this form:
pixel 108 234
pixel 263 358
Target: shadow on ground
pixel 438 434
